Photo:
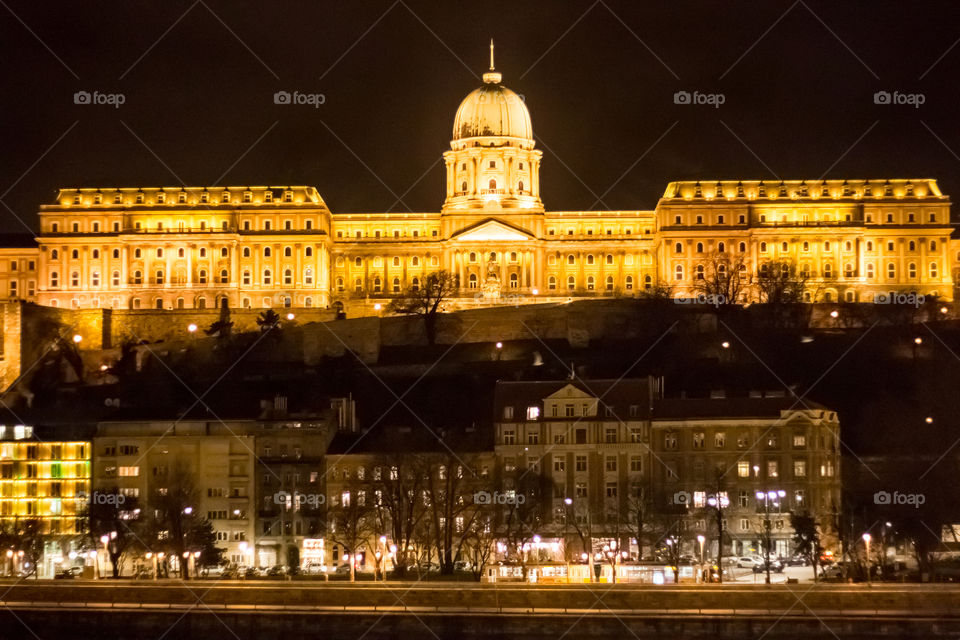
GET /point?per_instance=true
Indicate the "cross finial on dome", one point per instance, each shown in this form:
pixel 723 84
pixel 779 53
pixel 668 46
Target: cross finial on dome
pixel 491 55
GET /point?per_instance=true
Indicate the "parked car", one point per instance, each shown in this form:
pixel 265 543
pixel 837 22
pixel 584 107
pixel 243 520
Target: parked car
pixel 64 574
pixel 798 561
pixel 343 570
pixel 833 573
pixel 213 571
pixel 462 565
pixel 748 562
pixel 230 573
pixel 277 570
pixel 251 572
pixel 776 566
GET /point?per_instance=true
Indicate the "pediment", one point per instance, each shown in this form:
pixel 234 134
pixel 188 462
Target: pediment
pixel 568 391
pixel 492 231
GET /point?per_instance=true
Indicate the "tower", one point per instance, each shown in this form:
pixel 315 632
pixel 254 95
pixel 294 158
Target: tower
pixel 492 163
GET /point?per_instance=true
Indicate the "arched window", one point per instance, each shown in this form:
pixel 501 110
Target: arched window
pixel 699 247
pixel 287 276
pixel 137 277
pixel 493 184
pixel 396 285
pixel 159 276
pixel 75 254
pixel 933 245
pixel 116 254
pixel 179 303
pixel 911 246
pixel 266 276
pixel 721 271
pixel 827 270
pixel 571 259
pixel 308 252
pixel 571 283
pixel 339 284
pixel 54 255
pixel 590 283
pixel 848 270
pixel 933 270
pixel 246 278
pixel 377 285
pixel 912 270
pixel 473 257
pixel 246 252
pixel 647 281
pixel 224 276
pixel 806 246
pixel 358 285
pixel 396 261
pixel 891 270
pixel 678 248
pixel 203 252
pixel 609 285
pixel 721 247
pixel 609 258
pixel 202 276
pixel 358 262
pixel 763 247
pixel 628 283
pixel 115 279
pixel 287 252
pixel 784 246
pixel 137 253
pixel 699 272
pixel 678 271
pixel 158 303
pixel 308 301
pixel 159 253
pixel 590 258
pixel 415 261
pixel 75 279
pixel 96 254
pixel 95 279
pixel 552 283
pixel 415 284
pixel 267 252
pixel 520 186
pixel 224 252
pixel 869 246
pixel 513 256
pixel 463 186
pixel 180 253
pixel 472 281
pixel 308 276
pixel 870 272
pixel 54 279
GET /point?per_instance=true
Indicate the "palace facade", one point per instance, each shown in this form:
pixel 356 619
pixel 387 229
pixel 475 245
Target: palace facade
pixel 265 246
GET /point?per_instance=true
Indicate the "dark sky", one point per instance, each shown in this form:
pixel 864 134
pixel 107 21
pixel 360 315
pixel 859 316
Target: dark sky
pixel 198 79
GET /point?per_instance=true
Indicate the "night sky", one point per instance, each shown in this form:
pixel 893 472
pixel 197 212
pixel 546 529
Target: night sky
pixel 198 78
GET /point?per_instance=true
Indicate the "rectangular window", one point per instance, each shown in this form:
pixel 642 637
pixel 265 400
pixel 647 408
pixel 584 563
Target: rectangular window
pixel 559 463
pixel 581 463
pixel 799 468
pixel 611 463
pixel 773 470
pixel 636 464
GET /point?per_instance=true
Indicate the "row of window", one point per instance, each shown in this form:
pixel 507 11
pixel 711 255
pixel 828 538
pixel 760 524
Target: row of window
pixel 358 234
pixel 161 197
pixel 699 271
pixel 396 261
pixel 720 218
pixel 159 277
pixel 180 227
pixel 138 253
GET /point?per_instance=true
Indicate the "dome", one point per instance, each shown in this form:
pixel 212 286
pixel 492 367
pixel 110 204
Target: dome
pixel 492 110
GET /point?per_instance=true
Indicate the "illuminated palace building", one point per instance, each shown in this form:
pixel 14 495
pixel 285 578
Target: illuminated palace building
pixel 263 246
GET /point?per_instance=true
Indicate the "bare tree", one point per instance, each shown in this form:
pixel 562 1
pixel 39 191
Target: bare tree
pixel 780 282
pixel 425 299
pixel 398 484
pixel 351 522
pixel 725 277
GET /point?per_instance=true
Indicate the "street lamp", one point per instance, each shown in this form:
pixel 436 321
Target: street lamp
pixel 725 344
pixel 768 497
pixel 866 541
pixel 290 316
pixel 701 540
pixel 77 338
pixel 192 328
pixel 720 501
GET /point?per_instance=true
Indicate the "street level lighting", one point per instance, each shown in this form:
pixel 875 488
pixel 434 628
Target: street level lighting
pixel 290 316
pixel 866 541
pixel 77 338
pixel 834 314
pixel 701 540
pixel 192 328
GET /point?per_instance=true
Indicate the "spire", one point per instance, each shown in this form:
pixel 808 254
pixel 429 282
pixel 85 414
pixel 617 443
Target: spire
pixel 492 76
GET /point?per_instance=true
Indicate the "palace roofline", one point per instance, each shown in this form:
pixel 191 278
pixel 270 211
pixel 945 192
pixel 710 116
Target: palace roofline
pixel 839 189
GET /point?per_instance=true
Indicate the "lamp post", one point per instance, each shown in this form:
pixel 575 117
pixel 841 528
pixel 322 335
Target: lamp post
pixel 866 542
pixel 566 534
pixel 382 557
pixel 701 540
pixel 768 497
pixel 720 501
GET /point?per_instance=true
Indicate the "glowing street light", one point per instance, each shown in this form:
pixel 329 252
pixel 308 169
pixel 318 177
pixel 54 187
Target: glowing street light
pixel 77 338
pixel 290 316
pixel 834 314
pixel 918 340
pixel 866 541
pixel 192 328
pixel 725 344
pixel 929 420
